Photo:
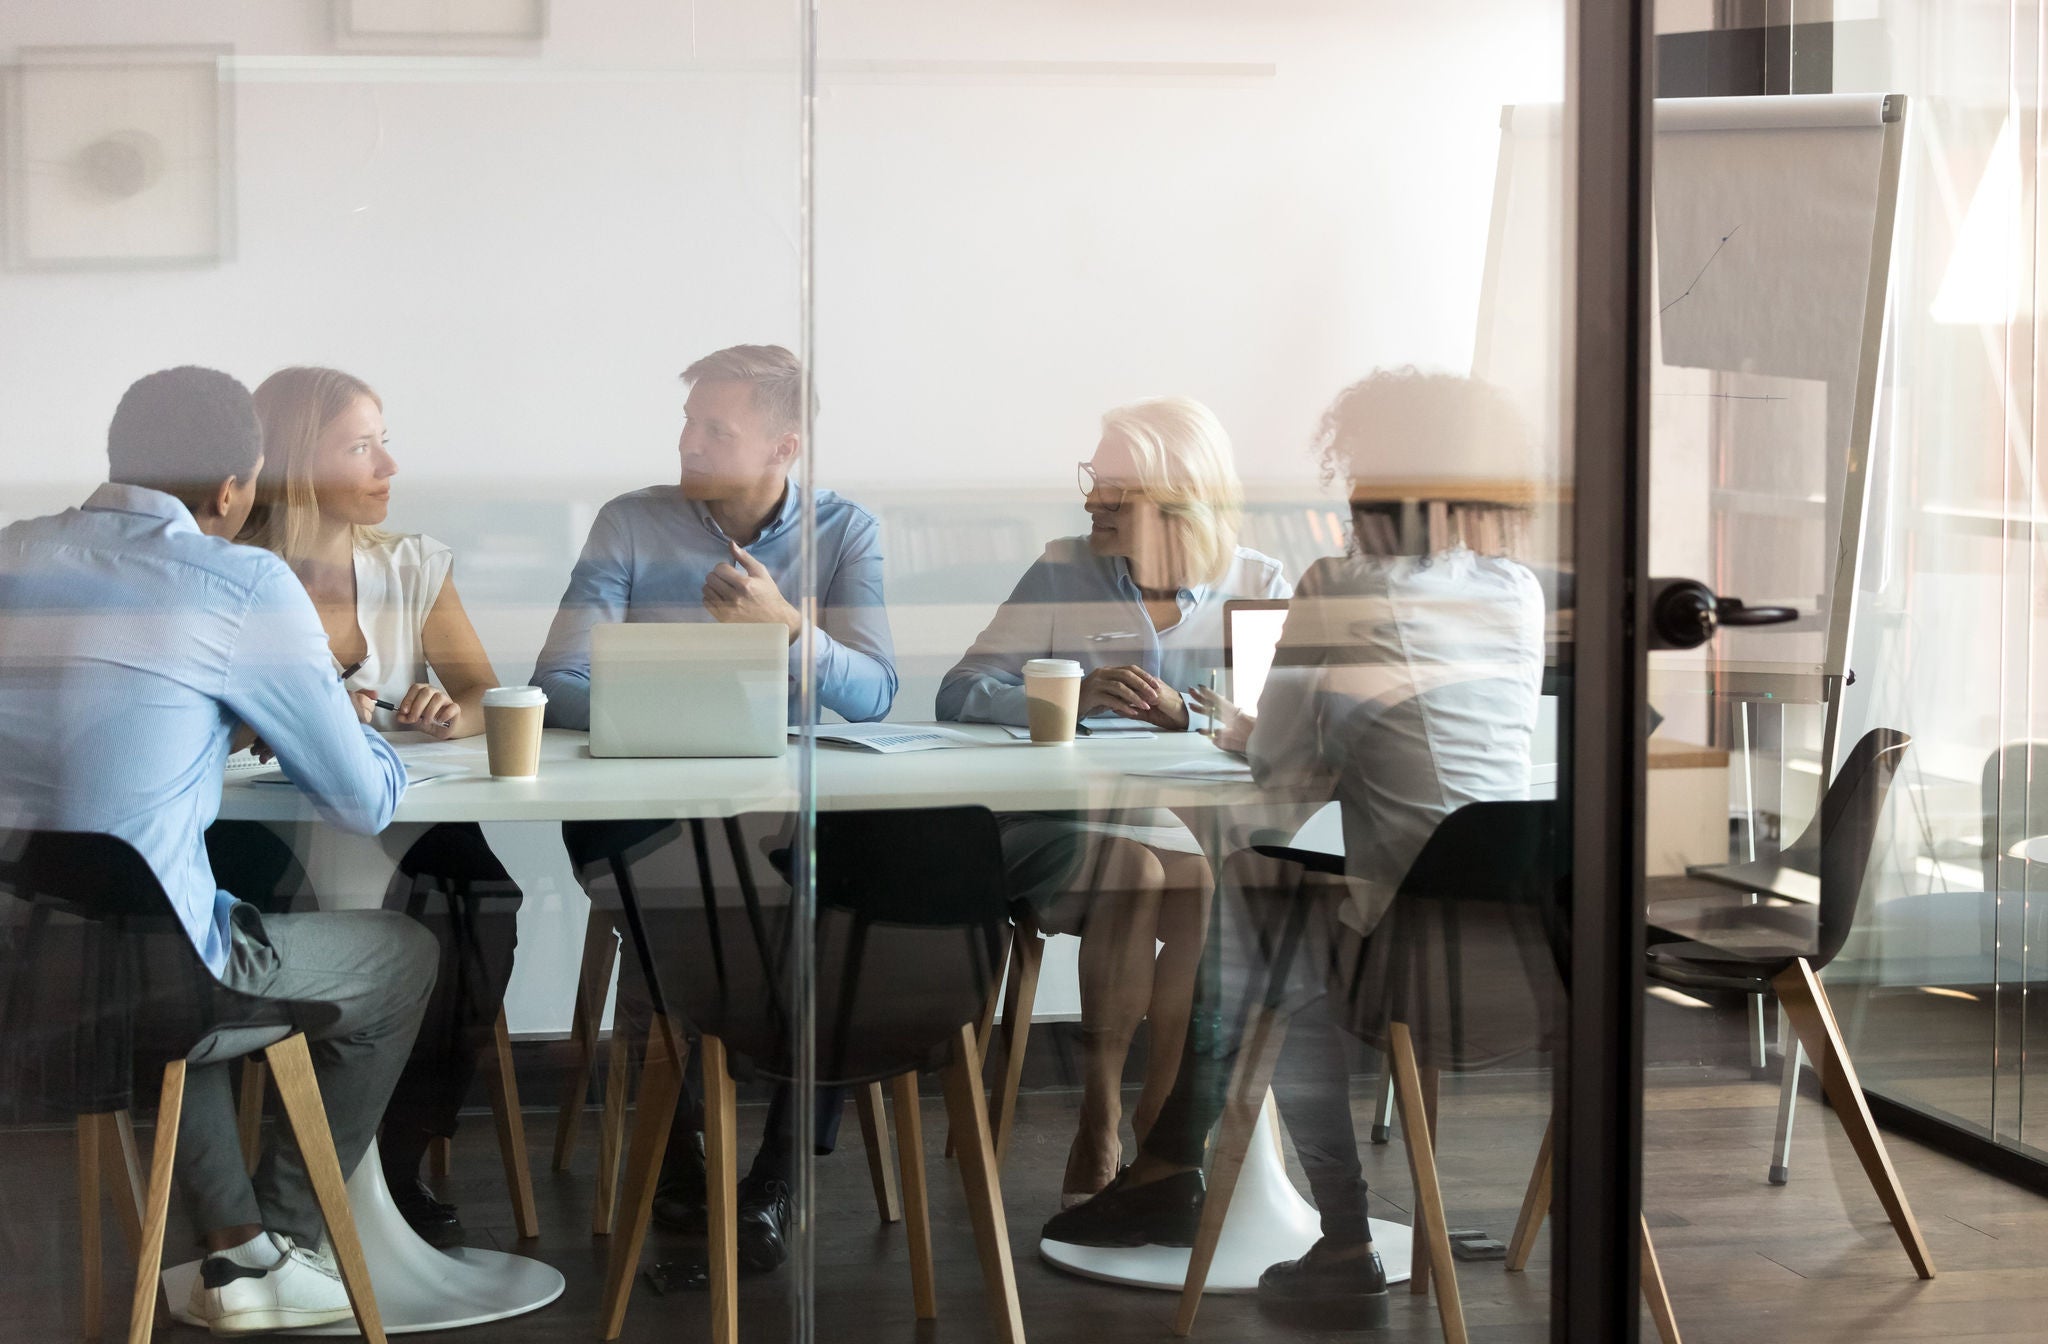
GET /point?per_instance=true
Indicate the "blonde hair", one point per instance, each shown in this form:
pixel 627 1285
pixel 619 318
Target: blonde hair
pixel 295 406
pixel 1436 461
pixel 1185 468
pixel 774 373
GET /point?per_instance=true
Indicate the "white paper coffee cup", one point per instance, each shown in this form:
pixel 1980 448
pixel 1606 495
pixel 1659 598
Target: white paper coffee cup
pixel 512 724
pixel 1052 699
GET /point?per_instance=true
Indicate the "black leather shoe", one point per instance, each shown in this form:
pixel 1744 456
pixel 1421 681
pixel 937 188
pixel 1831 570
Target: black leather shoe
pixel 1159 1213
pixel 1331 1288
pixel 679 1198
pixel 434 1220
pixel 765 1217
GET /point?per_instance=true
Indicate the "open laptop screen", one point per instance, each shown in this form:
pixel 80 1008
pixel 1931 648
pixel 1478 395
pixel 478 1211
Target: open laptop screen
pixel 1251 631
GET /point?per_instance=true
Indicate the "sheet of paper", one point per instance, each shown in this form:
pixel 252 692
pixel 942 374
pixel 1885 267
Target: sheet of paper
pixel 891 738
pixel 1219 767
pixel 1136 730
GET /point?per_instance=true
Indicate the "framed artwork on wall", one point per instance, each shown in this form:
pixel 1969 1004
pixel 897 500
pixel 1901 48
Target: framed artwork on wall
pixel 118 157
pixel 440 25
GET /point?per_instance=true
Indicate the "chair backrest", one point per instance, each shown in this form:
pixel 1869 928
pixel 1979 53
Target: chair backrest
pixel 912 910
pixel 1838 843
pixel 2015 794
pixel 1469 953
pixel 97 952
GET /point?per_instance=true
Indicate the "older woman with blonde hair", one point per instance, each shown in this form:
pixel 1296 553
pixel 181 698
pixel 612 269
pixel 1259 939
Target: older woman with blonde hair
pixel 1138 602
pixel 395 626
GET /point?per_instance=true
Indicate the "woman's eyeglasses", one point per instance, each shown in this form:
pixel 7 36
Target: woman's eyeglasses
pixel 1112 493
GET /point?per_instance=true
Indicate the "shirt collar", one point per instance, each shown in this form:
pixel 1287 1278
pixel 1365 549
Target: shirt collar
pixel 114 497
pixel 784 516
pixel 1120 569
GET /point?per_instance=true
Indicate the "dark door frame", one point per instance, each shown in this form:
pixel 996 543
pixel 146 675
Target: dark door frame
pixel 1596 1240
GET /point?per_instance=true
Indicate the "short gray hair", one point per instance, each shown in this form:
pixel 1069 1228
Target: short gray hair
pixel 777 378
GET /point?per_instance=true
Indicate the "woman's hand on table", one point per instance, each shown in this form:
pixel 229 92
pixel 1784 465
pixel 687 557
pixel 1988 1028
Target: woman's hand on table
pixel 428 709
pixel 1233 726
pixel 1134 693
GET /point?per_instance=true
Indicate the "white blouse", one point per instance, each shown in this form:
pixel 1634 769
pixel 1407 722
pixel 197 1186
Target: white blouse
pixel 398 580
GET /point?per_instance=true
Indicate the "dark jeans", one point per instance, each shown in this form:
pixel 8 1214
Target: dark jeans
pixel 1251 957
pixel 776 1157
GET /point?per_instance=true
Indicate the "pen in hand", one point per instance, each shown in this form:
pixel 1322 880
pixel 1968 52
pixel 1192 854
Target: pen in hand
pixel 385 705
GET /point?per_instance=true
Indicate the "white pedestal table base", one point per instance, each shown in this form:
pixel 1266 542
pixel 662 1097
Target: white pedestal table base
pixel 418 1288
pixel 1268 1222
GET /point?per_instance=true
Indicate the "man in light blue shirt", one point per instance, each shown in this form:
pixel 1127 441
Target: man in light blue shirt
pixel 722 545
pixel 135 637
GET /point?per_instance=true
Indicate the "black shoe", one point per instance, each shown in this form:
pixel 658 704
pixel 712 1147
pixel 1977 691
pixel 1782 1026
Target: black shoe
pixel 765 1216
pixel 1160 1213
pixel 434 1220
pixel 1331 1288
pixel 679 1199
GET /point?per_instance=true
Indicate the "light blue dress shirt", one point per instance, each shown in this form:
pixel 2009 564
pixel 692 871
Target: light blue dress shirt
pixel 1407 687
pixel 1073 603
pixel 131 644
pixel 648 555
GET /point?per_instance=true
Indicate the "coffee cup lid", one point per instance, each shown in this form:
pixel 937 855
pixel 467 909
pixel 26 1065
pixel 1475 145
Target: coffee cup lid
pixel 1052 667
pixel 514 697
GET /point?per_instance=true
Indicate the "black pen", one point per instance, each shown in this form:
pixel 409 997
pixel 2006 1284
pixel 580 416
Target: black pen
pixel 356 667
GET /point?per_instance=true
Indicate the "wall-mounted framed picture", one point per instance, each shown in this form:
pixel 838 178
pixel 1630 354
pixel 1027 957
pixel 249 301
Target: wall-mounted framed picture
pixel 119 157
pixel 473 26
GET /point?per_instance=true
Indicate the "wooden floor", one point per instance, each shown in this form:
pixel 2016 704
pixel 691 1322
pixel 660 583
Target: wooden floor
pixel 1813 1261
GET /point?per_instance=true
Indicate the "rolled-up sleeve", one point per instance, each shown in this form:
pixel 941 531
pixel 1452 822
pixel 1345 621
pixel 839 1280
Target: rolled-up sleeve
pixel 987 685
pixel 851 651
pixel 599 592
pixel 279 681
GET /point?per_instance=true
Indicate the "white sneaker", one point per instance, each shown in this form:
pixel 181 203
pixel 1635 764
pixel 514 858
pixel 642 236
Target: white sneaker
pixel 302 1289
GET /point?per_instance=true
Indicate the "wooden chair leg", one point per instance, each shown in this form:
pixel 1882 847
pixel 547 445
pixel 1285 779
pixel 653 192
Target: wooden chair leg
pixel 120 1162
pixel 984 1032
pixel 1429 1195
pixel 440 1157
pixel 721 1193
pixel 511 1122
pixel 967 1109
pixel 869 1104
pixel 593 982
pixel 1655 1294
pixel 916 1209
pixel 661 1084
pixel 1418 1261
pixel 1026 959
pixel 1535 1204
pixel 297 1087
pixel 249 1115
pixel 156 1210
pixel 611 1134
pixel 1806 1003
pixel 91 1265
pixel 1250 1078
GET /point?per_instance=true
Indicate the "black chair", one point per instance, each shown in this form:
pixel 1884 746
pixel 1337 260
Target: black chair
pixel 911 916
pixel 601 847
pixel 1462 972
pixel 137 957
pixel 1809 894
pixel 452 860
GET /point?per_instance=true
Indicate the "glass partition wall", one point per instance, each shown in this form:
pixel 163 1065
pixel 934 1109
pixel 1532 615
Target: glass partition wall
pixel 1140 444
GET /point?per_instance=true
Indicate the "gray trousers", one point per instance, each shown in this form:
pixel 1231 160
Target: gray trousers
pixel 356 983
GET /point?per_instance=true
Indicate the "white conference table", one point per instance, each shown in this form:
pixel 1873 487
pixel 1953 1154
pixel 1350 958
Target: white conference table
pixel 429 1289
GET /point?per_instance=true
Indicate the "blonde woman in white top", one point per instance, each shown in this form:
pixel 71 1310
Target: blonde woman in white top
pixel 388 603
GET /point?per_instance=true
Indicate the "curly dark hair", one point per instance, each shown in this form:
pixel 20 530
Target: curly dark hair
pixel 1406 415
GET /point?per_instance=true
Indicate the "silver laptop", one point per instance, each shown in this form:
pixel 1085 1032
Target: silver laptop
pixel 690 689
